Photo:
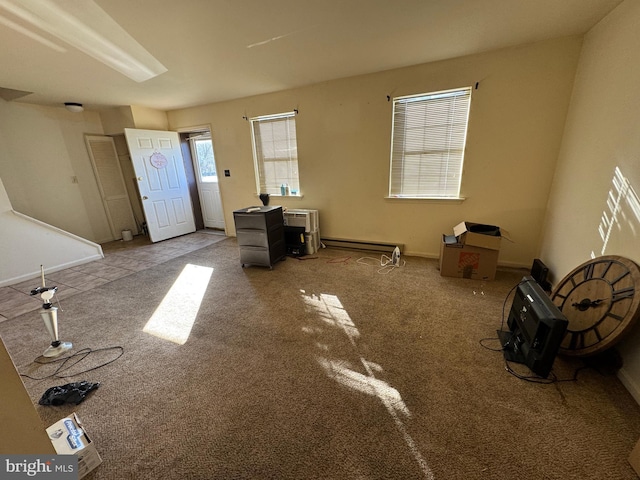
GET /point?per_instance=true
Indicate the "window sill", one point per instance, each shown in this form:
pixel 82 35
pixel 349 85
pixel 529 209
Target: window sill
pixel 283 196
pixel 429 199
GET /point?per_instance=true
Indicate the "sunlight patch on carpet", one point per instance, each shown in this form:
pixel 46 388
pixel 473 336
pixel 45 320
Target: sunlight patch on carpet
pixel 174 317
pixel 330 311
pixel 366 384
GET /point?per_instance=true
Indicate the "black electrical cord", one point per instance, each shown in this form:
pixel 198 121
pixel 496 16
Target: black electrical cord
pixel 68 362
pixel 536 379
pixel 504 306
pixel 530 378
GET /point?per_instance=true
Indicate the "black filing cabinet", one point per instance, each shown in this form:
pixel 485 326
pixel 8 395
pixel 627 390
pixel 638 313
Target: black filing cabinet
pixel 260 235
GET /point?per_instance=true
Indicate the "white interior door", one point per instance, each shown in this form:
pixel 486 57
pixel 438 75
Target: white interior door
pixel 207 180
pixel 104 159
pixel 162 182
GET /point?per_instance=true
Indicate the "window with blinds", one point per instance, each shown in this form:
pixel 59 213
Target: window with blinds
pixel 427 144
pixel 275 153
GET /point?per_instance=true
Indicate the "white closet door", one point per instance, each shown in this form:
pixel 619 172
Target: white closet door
pixel 104 158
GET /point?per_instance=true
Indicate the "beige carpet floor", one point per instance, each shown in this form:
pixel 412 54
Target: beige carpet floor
pixel 321 368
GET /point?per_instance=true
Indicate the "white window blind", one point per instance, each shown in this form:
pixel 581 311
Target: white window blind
pixel 275 153
pixel 428 140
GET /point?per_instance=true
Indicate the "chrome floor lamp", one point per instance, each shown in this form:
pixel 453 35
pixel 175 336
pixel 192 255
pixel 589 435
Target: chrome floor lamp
pixel 49 315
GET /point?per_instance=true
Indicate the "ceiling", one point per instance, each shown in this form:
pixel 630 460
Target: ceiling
pixel 215 50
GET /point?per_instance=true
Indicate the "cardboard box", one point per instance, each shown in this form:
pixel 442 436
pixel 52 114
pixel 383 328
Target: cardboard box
pixel 466 261
pixel 69 437
pixel 480 235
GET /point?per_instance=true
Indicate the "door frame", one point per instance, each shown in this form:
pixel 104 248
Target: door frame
pixel 191 171
pixel 191 180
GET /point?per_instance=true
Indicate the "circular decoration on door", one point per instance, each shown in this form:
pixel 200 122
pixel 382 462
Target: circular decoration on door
pixel 158 160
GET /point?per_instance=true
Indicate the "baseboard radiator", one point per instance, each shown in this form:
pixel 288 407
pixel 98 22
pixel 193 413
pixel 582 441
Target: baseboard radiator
pixel 361 245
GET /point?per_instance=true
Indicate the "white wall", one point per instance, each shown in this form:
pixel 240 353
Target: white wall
pixel 27 244
pixel 344 132
pixel 601 138
pixel 42 153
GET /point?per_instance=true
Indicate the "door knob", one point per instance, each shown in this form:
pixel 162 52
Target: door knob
pixel 145 197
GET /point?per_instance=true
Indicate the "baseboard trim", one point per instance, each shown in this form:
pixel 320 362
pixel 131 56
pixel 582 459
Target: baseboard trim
pixel 35 274
pixel 384 247
pixel 387 247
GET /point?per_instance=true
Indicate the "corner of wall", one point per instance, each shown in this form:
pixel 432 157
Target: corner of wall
pixel 5 203
pixel 149 118
pixel 630 383
pixel 115 120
